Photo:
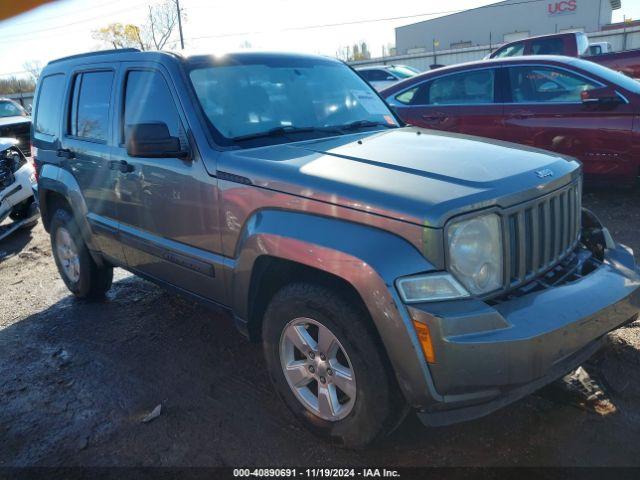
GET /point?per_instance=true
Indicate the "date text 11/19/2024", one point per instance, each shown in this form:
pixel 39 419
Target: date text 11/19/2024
pixel 316 472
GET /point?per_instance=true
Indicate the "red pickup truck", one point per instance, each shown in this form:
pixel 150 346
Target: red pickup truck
pixel 572 44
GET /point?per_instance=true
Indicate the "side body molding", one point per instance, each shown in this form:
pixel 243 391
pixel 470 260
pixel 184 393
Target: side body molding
pixel 368 258
pixel 55 179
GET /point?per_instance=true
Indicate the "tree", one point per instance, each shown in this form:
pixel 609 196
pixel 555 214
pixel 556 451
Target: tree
pixel 162 20
pixel 16 85
pixel 118 35
pixel 33 68
pixel 359 51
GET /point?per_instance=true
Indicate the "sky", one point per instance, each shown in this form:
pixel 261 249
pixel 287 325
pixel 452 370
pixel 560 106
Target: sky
pixel 64 27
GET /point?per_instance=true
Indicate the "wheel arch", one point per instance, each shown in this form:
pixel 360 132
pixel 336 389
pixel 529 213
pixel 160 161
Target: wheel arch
pixel 363 260
pixel 58 188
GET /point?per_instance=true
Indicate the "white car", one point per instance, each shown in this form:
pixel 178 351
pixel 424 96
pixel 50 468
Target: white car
pixel 17 184
pixel 383 76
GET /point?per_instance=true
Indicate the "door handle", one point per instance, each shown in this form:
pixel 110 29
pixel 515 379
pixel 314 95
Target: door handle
pixel 434 117
pixel 521 114
pixel 65 153
pixel 122 165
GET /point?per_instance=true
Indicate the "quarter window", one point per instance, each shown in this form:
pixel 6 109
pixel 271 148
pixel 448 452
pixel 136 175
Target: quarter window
pixel 415 96
pixel 515 50
pixel 47 115
pixel 148 100
pixel 546 85
pixel 463 88
pixel 90 108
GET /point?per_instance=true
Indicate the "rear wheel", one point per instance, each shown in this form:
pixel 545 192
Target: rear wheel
pixel 328 366
pixel 83 277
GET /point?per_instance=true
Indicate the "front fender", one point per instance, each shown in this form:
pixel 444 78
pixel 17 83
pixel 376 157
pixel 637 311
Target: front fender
pixel 55 179
pixel 368 258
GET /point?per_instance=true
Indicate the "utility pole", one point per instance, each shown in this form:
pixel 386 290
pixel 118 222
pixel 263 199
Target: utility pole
pixel 180 24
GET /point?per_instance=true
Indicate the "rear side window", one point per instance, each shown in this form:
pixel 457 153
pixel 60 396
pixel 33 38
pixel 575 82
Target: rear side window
pixel 463 88
pixel 148 100
pixel 547 46
pixel 90 108
pixel 47 117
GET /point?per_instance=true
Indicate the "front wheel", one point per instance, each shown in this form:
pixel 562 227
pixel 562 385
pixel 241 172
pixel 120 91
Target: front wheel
pixel 83 277
pixel 328 366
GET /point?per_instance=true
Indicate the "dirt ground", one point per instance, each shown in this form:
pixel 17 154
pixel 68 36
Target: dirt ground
pixel 76 379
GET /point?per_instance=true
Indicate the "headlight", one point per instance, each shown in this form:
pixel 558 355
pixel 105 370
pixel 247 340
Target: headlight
pixel 430 287
pixel 475 253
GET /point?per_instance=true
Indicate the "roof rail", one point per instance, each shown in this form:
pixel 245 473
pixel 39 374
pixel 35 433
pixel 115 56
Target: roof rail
pixel 99 52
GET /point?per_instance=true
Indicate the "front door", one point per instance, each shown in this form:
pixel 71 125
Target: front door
pixel 169 206
pixel 545 110
pixel 461 102
pixel 86 151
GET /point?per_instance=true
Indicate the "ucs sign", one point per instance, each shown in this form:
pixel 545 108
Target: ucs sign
pixel 563 7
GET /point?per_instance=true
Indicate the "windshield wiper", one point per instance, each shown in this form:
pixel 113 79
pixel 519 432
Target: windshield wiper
pixel 363 124
pixel 281 131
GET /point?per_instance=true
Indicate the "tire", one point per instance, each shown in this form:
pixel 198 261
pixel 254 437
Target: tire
pixel 378 406
pixel 92 281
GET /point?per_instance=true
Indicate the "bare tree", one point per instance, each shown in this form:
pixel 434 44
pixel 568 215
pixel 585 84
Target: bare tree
pixel 16 85
pixel 161 23
pixel 33 68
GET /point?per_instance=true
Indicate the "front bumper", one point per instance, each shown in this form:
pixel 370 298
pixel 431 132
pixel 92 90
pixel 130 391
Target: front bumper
pixel 489 356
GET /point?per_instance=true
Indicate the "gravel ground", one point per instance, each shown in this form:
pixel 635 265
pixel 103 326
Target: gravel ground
pixel 77 378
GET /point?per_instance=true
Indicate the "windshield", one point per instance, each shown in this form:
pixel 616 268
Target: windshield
pixel 286 96
pixel 10 109
pixel 609 75
pixel 401 71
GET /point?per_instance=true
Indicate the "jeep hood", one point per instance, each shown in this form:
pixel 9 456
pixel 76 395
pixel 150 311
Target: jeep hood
pixel 411 174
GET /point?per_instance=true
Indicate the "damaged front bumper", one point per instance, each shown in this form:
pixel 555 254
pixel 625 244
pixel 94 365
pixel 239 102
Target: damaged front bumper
pixel 488 356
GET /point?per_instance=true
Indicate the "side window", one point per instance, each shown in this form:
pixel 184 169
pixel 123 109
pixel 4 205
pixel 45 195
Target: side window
pixel 377 75
pixel 515 50
pixel 547 46
pixel 90 106
pixel 463 88
pixel 548 85
pixel 417 95
pixel 148 100
pixel 595 50
pixel 47 115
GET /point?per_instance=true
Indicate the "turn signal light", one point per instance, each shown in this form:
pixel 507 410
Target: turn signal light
pixel 424 336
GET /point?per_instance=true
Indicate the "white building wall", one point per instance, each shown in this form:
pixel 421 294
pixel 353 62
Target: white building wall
pixel 423 61
pixel 504 22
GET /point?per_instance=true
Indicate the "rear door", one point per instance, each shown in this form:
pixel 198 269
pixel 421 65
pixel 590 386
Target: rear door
pixel 85 150
pixel 169 216
pixel 545 110
pixel 463 102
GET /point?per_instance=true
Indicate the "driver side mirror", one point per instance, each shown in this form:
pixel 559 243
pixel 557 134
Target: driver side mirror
pixel 600 96
pixel 153 140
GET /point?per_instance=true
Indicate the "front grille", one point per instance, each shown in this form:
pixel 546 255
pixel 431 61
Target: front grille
pixel 541 233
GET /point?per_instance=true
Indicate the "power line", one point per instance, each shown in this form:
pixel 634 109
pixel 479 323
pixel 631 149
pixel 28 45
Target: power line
pixel 37 32
pixel 104 4
pixel 355 22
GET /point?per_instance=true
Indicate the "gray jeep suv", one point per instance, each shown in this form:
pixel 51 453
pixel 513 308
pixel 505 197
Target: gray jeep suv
pixel 383 268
